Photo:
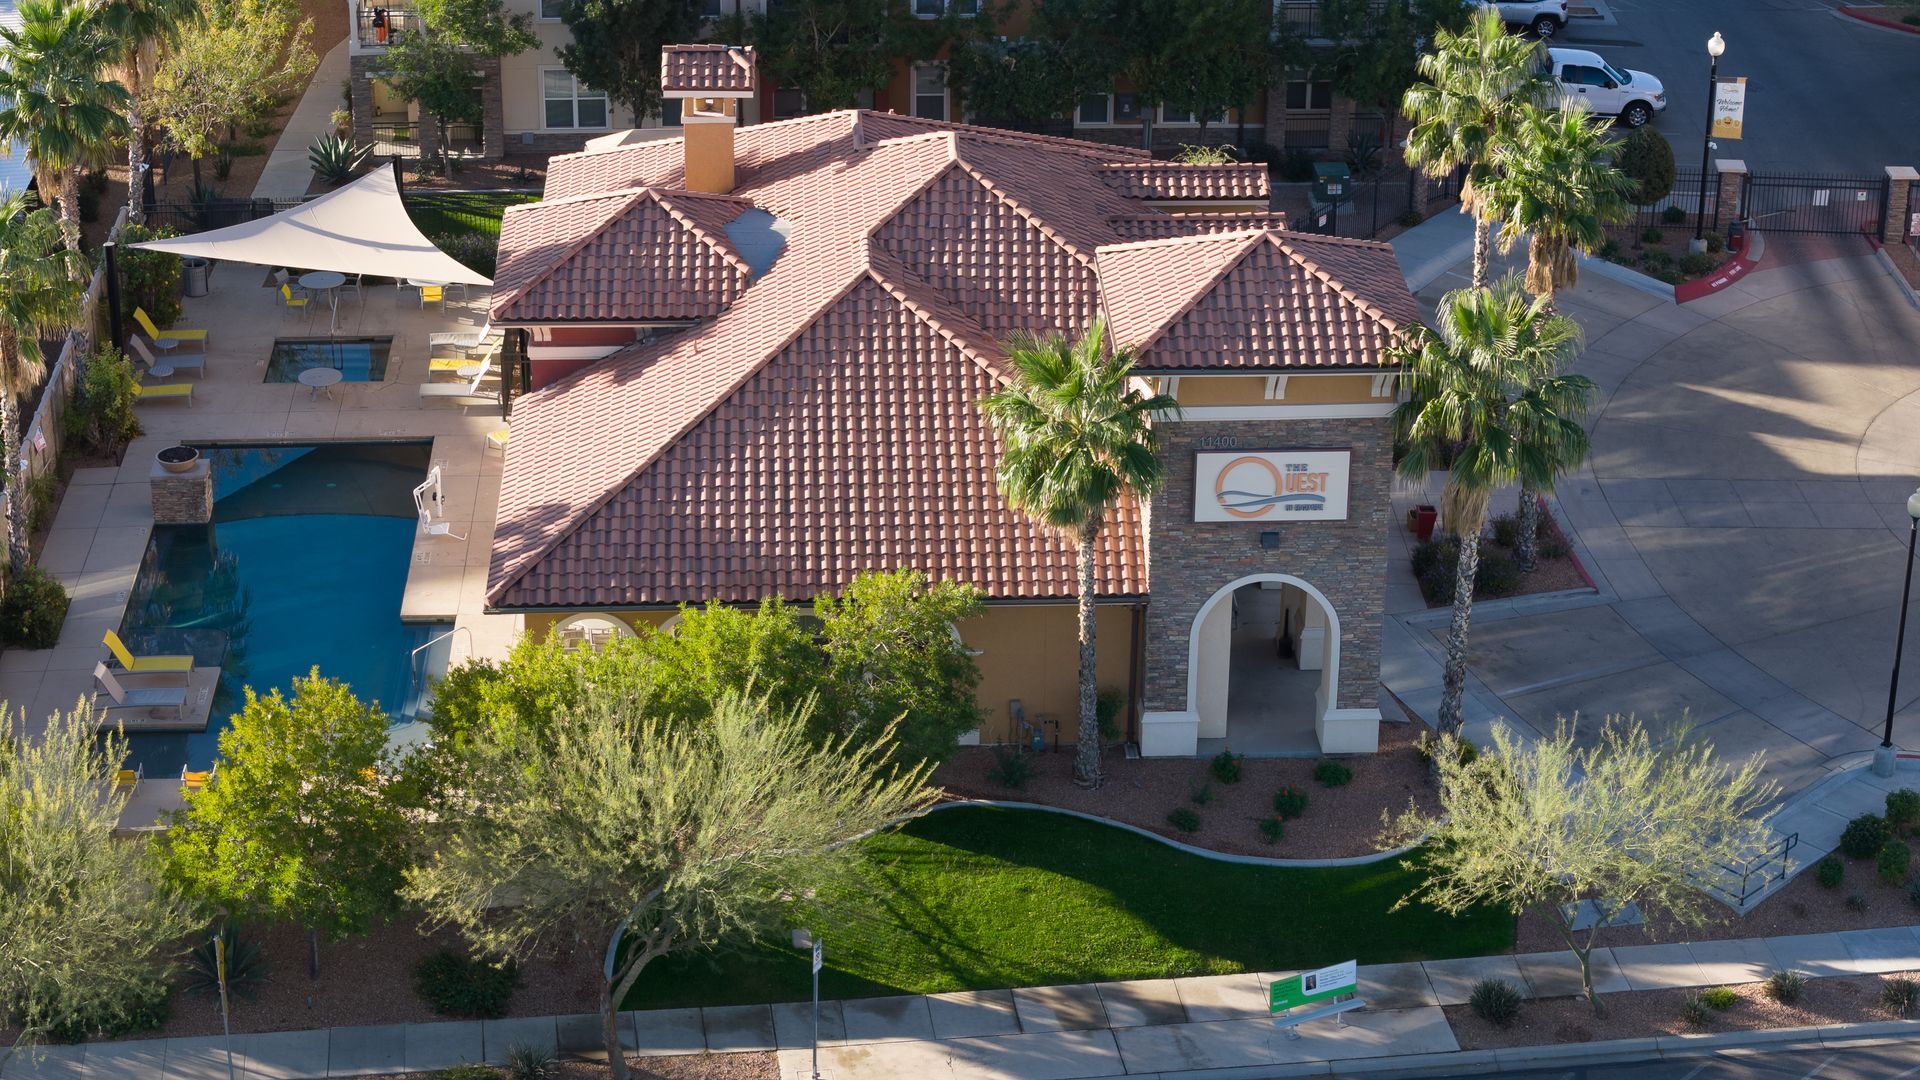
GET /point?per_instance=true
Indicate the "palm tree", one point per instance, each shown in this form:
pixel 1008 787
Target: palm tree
pixel 39 296
pixel 1076 437
pixel 57 98
pixel 1487 387
pixel 1475 82
pixel 1559 189
pixel 138 28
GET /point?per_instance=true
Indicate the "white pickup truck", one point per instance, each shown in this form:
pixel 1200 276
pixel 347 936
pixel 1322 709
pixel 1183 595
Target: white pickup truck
pixel 1583 77
pixel 1544 17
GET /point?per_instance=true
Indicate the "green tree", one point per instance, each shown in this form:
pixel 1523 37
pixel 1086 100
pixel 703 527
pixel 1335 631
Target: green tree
pixel 57 99
pixel 139 29
pixel 616 46
pixel 658 837
pixel 831 50
pixel 1374 58
pixel 295 825
pixel 1199 56
pixel 85 919
pixel 237 66
pixel 1560 192
pixel 1025 82
pixel 485 26
pixel 1538 827
pixel 1489 389
pixel 433 71
pixel 1468 104
pixel 40 294
pixel 1076 438
pixel 1646 157
pixel 895 658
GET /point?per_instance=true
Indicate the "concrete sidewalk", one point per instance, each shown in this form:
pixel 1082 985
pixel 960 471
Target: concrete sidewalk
pixel 1078 1032
pixel 288 171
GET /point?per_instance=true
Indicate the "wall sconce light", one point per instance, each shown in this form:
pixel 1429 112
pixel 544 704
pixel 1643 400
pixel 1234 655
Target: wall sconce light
pixel 1270 540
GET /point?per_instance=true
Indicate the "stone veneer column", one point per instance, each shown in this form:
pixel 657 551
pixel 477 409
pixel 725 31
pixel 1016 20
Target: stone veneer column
pixel 1900 183
pixel 182 498
pixel 1726 204
pixel 493 114
pixel 1339 123
pixel 362 73
pixel 1188 562
pixel 1274 130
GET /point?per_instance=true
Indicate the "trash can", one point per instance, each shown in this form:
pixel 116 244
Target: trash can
pixel 193 272
pixel 1737 237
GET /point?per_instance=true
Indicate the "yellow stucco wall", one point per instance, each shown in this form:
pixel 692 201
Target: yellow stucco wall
pixel 1027 652
pixel 709 158
pixel 1252 390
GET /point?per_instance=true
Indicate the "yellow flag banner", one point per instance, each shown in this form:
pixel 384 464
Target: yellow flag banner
pixel 1729 107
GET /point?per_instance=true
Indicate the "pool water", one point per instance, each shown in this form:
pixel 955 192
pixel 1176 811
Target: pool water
pixel 358 359
pixel 304 565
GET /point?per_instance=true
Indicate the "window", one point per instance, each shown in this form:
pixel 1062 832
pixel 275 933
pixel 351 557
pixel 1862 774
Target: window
pixel 553 9
pixel 930 91
pixel 709 9
pixel 570 105
pixel 1582 75
pixel 1309 94
pixel 1095 109
pixel 1126 108
pixel 1172 115
pixel 789 103
pixel 933 9
pixel 670 112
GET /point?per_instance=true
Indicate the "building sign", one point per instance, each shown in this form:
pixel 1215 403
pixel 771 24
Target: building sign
pixel 1729 107
pixel 1311 986
pixel 1271 485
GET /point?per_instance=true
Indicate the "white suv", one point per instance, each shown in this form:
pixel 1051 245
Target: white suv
pixel 1544 17
pixel 1582 76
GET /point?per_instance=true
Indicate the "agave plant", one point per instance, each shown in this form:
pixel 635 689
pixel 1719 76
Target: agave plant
pixel 335 158
pixel 246 967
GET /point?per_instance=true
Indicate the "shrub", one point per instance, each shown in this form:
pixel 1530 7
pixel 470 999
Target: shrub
pixel 1900 995
pixel 1495 1001
pixel 1506 530
pixel 246 965
pixel 1409 218
pixel 1225 767
pixel 342 121
pixel 1786 987
pixel 1864 836
pixel 1011 768
pixel 1552 545
pixel 1429 743
pixel 1697 262
pixel 1646 157
pixel 1496 575
pixel 1296 164
pixel 1609 249
pixel 1437 584
pixel 1893 862
pixel 478 252
pixel 31 611
pixel 1184 819
pixel 1363 153
pixel 1715 245
pixel 1428 554
pixel 1201 793
pixel 1332 774
pixel 1656 260
pixel 1695 1011
pixel 1719 998
pixel 528 1062
pixel 102 414
pixel 40 494
pixel 1830 872
pixel 1903 809
pixel 1272 829
pixel 455 985
pixel 1651 235
pixel 1108 705
pixel 335 158
pixel 1673 215
pixel 464 1072
pixel 149 279
pixel 1857 904
pixel 1289 802
pixel 223 163
pixel 145 1007
pixel 1189 154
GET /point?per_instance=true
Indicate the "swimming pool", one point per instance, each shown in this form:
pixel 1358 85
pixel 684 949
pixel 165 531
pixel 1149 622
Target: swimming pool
pixel 304 564
pixel 358 359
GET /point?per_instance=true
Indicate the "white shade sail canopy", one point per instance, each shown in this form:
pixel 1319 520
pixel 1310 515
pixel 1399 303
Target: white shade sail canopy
pixel 361 228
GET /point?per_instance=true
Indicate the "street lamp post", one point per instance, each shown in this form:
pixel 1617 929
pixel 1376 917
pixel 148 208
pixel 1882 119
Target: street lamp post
pixel 1883 758
pixel 1715 46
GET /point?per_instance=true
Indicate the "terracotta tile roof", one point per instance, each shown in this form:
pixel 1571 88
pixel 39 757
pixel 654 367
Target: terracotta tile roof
pixel 1165 226
pixel 1256 299
pixel 1173 181
pixel 825 420
pixel 723 70
pixel 638 255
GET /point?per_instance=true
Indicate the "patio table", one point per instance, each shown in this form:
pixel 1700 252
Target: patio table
pixel 325 281
pixel 316 379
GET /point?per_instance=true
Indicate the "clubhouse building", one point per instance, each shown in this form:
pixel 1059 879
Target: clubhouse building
pixel 756 356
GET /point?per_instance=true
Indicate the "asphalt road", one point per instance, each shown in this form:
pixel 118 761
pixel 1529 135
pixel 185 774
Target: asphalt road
pixel 1825 94
pixel 1893 1061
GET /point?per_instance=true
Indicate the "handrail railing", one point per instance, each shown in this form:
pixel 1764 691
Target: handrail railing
pixel 1759 872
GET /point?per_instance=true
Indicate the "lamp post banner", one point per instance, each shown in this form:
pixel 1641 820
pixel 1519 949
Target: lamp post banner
pixel 1729 107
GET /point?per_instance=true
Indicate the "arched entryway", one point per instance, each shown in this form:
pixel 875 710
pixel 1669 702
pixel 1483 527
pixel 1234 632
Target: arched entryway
pixel 1264 666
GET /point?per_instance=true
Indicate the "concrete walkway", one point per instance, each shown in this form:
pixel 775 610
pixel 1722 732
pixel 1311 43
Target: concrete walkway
pixel 1041 1033
pixel 288 172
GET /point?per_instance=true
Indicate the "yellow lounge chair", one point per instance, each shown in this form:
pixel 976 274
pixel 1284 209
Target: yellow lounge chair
pixel 165 390
pixel 194 781
pixel 128 779
pixel 177 334
pixel 433 294
pixel 496 440
pixel 292 302
pixel 144 665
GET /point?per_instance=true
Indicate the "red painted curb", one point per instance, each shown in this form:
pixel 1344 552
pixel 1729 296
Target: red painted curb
pixel 1688 291
pixel 1878 21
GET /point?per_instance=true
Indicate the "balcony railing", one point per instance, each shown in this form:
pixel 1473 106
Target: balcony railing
pixel 379 26
pixel 400 138
pixel 1304 16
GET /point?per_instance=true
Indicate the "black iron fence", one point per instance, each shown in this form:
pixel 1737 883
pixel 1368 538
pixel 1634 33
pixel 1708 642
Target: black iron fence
pixel 1678 206
pixel 1305 19
pixel 1843 205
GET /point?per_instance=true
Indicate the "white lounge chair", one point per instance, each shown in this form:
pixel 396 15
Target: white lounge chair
pixel 468 390
pixel 461 341
pixel 147 699
pixel 194 362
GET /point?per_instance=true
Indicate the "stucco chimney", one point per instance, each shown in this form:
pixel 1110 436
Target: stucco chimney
pixel 709 81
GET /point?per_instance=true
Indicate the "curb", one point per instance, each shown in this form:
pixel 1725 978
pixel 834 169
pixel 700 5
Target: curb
pixel 1875 20
pixel 1217 856
pixel 1633 278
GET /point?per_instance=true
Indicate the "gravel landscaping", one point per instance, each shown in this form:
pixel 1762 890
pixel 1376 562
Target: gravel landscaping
pixel 1643 1013
pixel 1339 822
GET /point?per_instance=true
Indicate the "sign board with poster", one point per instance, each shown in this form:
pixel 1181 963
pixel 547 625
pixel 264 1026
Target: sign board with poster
pixel 1309 987
pixel 1729 107
pixel 1271 486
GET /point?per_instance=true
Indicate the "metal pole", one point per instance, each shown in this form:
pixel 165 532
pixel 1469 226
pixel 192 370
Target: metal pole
pixel 1706 147
pixel 220 964
pixel 114 336
pixel 817 950
pixel 1900 638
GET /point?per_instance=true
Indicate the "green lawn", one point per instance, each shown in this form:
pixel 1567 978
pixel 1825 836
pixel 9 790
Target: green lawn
pixel 984 898
pixel 440 213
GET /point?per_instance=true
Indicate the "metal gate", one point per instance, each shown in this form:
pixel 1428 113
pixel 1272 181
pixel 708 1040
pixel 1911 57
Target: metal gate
pixel 1778 203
